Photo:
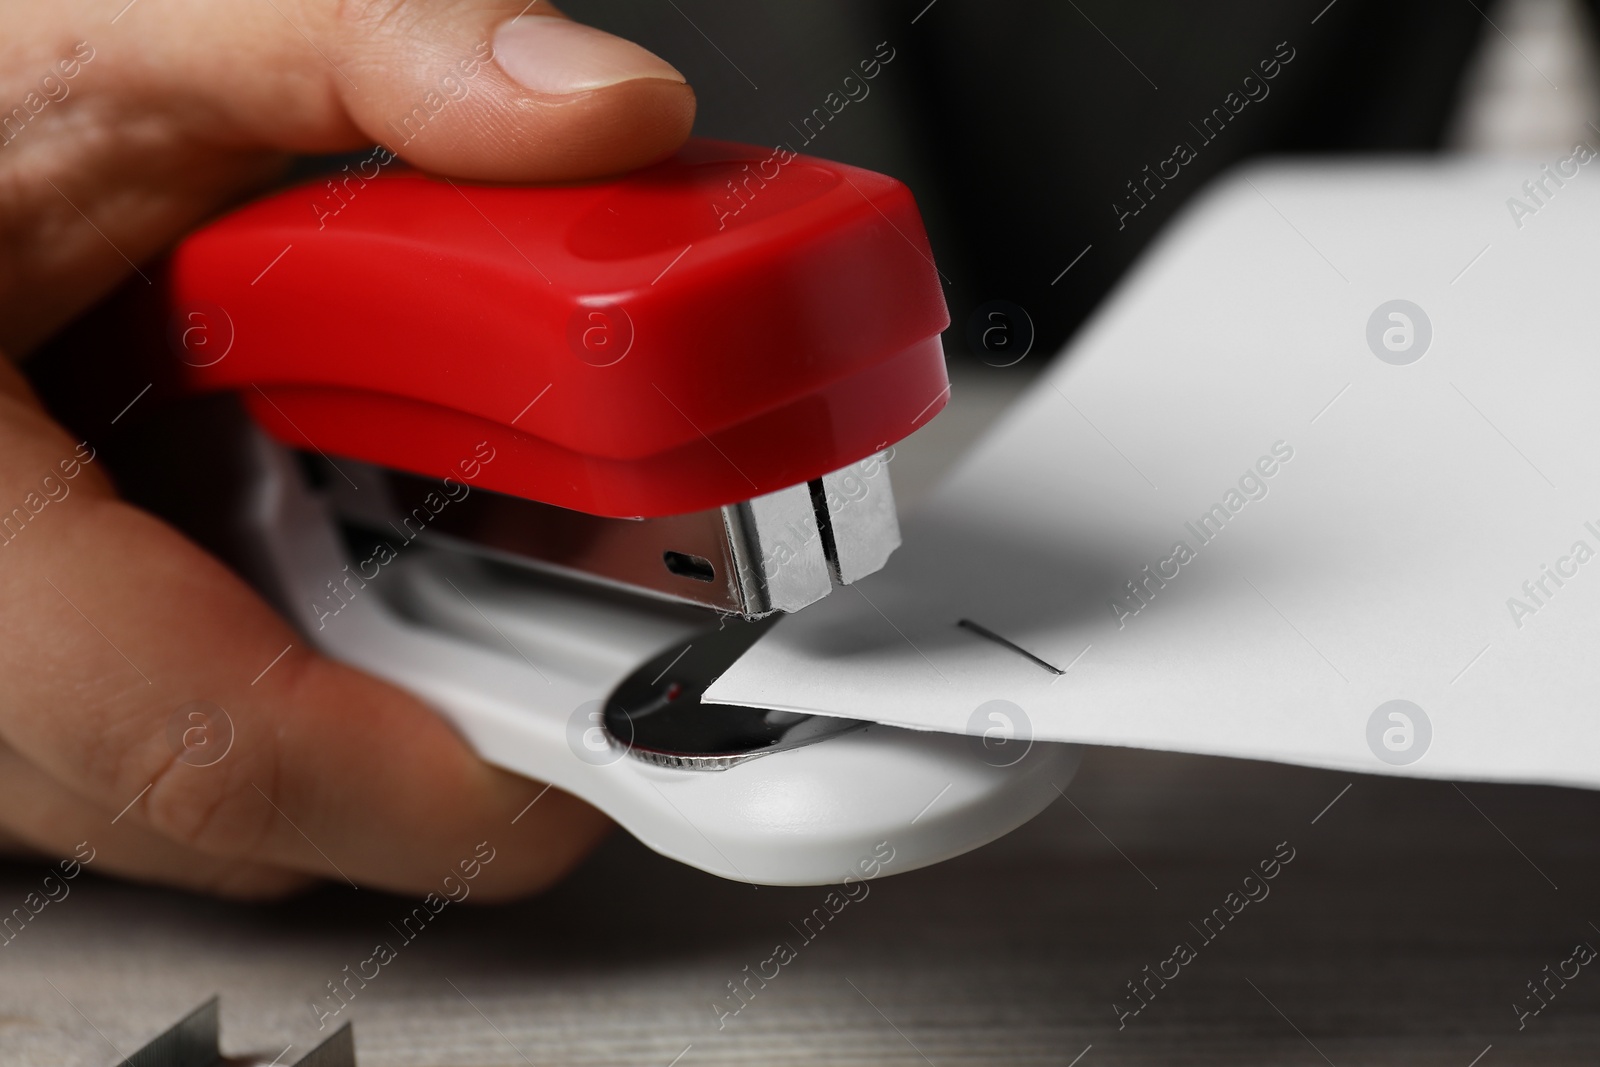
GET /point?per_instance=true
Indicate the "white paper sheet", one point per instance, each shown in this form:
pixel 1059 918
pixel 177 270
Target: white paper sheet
pixel 1383 558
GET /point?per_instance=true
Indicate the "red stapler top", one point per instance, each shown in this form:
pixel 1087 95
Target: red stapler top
pixel 724 324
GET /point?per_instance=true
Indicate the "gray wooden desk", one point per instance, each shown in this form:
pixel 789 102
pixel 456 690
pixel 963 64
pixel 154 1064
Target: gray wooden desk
pixel 1401 933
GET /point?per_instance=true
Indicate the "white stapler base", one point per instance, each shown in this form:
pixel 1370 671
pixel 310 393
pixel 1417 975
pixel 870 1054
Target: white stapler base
pixel 522 668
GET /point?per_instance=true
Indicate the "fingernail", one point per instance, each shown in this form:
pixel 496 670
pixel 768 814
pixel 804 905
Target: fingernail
pixel 554 55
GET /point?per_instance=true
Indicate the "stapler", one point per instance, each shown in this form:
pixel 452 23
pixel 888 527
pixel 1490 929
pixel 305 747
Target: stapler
pixel 552 458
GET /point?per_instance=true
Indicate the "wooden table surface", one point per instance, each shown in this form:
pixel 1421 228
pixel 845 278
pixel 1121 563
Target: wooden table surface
pixel 1402 932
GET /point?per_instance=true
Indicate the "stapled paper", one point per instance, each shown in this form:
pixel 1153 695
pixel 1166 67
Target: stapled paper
pixel 1320 483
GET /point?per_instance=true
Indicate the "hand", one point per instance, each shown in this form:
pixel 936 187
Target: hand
pixel 120 128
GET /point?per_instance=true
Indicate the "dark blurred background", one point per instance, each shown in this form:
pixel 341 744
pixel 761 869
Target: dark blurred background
pixel 1018 125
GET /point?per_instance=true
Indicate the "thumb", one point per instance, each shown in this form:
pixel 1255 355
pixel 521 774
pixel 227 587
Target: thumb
pixel 508 91
pixel 166 110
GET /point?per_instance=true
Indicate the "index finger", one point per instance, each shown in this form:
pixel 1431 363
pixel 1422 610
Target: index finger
pixel 111 622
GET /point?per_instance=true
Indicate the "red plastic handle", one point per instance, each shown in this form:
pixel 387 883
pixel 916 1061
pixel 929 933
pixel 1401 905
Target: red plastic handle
pixel 720 325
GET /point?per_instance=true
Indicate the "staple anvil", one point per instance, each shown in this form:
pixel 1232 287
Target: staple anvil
pixel 553 458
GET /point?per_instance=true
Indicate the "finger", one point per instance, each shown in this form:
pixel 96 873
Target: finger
pixel 52 822
pixel 110 623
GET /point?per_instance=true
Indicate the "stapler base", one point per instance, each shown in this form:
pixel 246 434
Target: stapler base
pixel 524 668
